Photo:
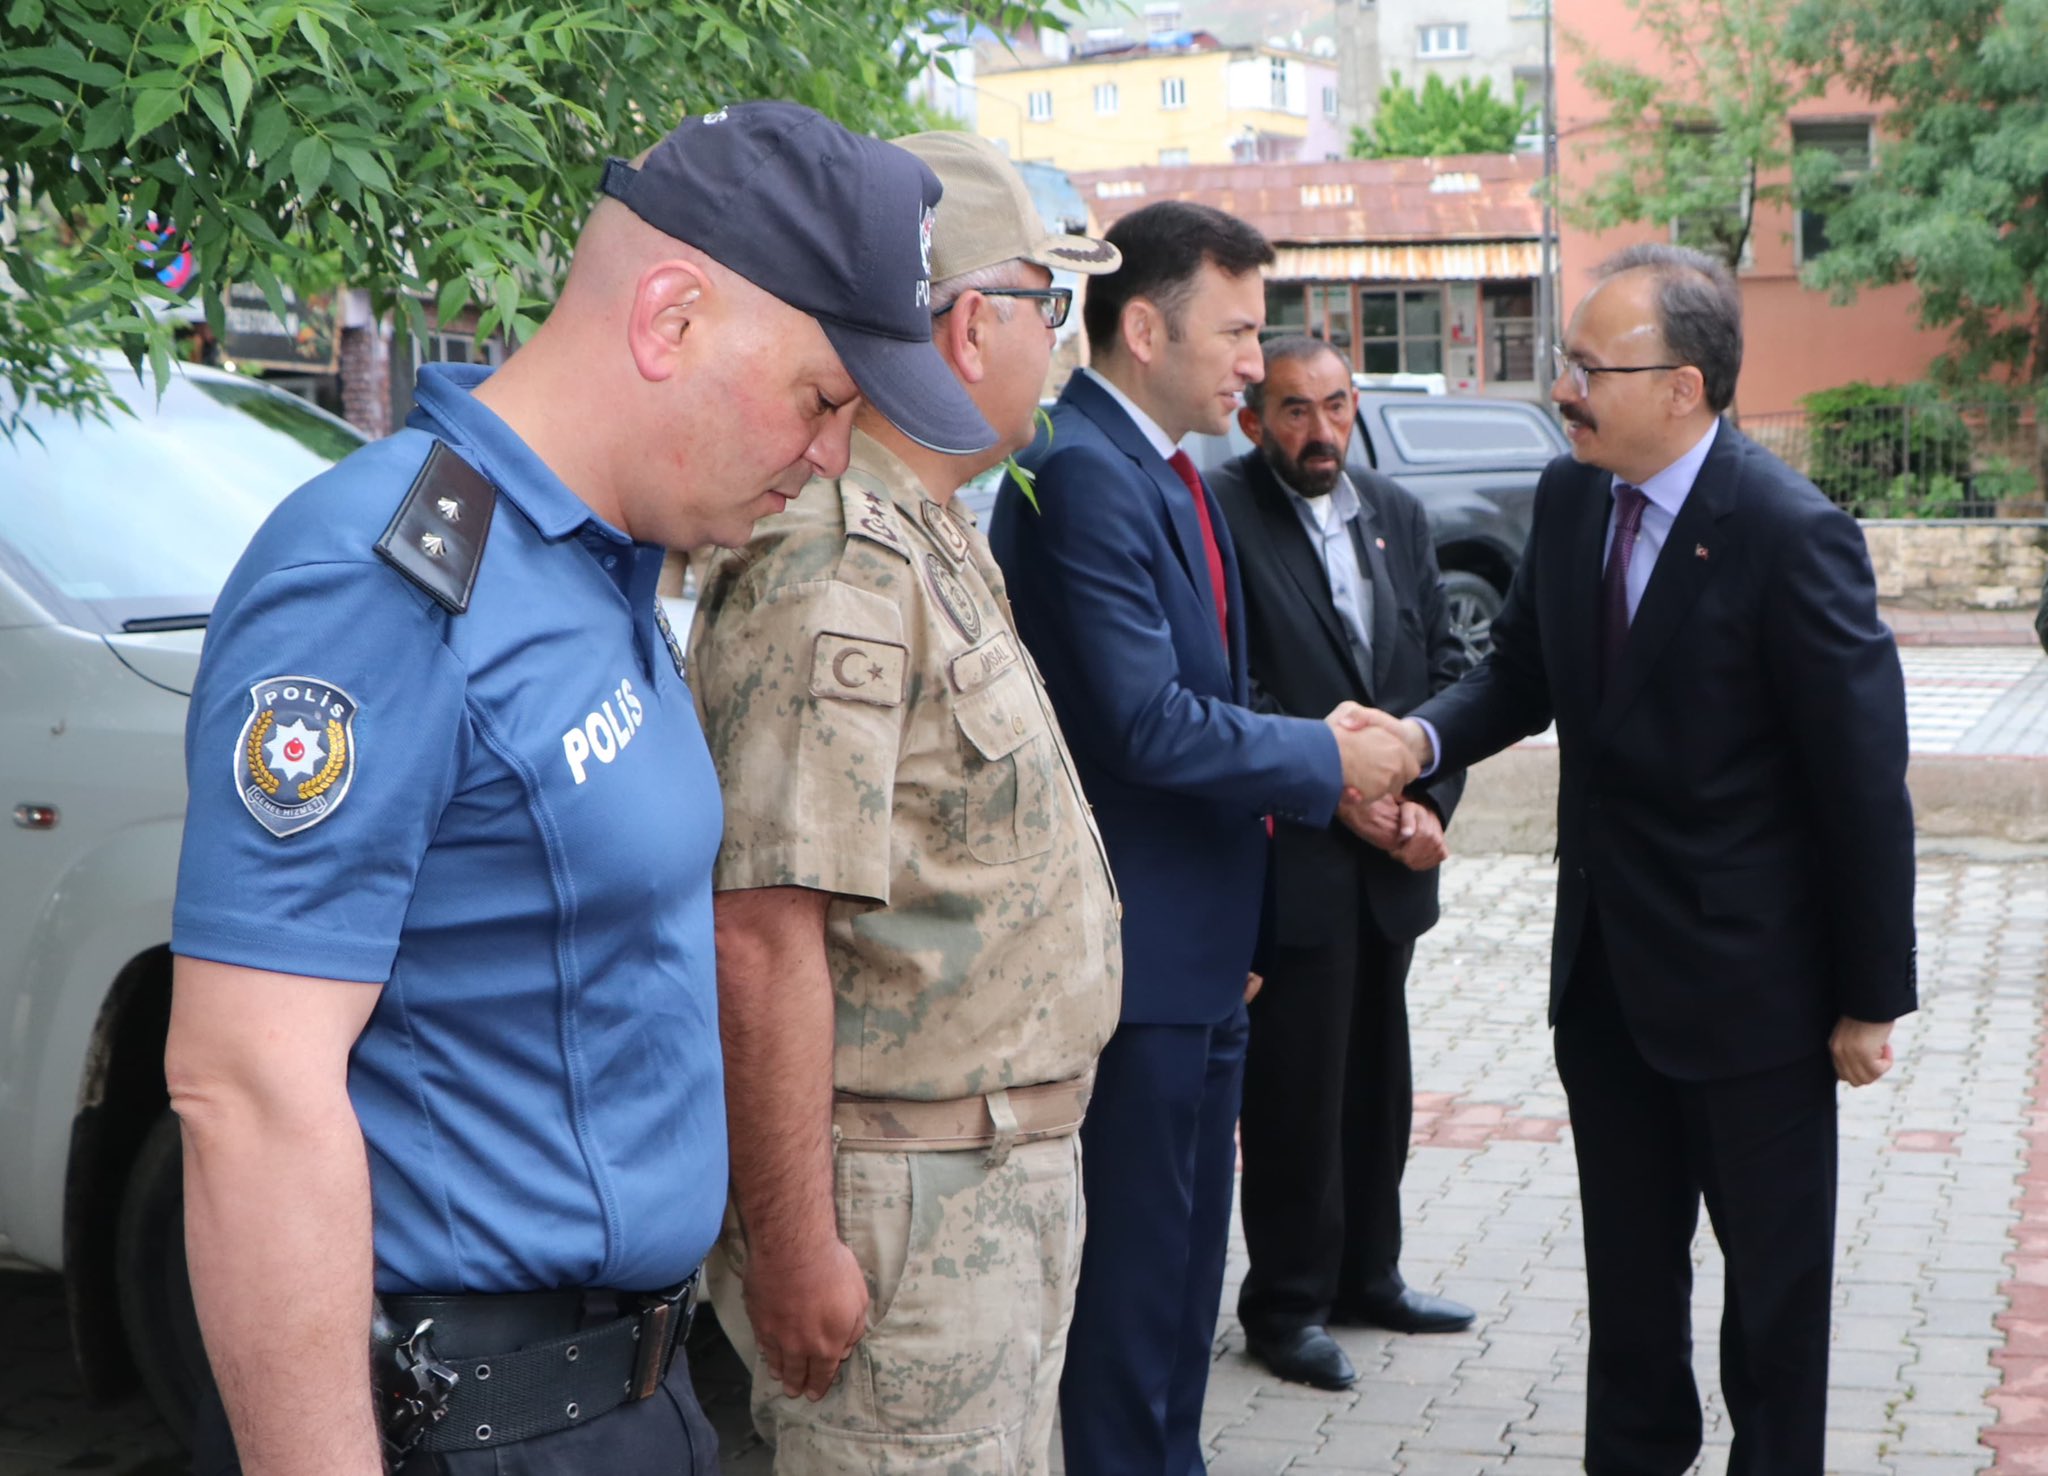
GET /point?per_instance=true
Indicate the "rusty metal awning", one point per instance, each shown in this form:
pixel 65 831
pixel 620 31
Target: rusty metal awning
pixel 1431 261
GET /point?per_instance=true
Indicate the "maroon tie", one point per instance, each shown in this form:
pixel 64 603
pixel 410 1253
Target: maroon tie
pixel 1182 463
pixel 1628 521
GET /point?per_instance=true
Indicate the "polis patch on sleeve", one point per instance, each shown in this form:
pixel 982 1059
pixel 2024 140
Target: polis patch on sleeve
pixel 856 669
pixel 296 755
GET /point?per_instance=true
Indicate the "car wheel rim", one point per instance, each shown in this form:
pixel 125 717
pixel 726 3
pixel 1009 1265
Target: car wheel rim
pixel 1472 625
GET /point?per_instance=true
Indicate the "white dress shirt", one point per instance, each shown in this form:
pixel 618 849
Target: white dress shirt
pixel 1147 426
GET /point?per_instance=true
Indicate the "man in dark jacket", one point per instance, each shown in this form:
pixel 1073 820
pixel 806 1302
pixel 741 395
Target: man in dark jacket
pixel 1343 602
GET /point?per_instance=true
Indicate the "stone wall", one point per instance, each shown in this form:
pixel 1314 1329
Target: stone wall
pixel 1959 564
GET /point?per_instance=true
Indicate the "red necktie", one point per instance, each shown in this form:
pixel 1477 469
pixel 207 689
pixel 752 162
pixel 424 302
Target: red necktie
pixel 1628 521
pixel 1182 463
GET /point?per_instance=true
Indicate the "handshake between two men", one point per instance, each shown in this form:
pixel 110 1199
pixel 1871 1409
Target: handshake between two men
pixel 1382 755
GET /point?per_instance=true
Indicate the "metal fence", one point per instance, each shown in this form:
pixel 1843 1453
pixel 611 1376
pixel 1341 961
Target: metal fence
pixel 1931 460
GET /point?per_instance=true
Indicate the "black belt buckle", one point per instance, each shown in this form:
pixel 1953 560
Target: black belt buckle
pixel 664 1319
pixel 412 1384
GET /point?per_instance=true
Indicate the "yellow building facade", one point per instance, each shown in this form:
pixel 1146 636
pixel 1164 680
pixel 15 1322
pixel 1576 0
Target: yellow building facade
pixel 1212 106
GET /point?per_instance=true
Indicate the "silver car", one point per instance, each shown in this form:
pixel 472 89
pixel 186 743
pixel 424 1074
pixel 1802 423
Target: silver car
pixel 114 541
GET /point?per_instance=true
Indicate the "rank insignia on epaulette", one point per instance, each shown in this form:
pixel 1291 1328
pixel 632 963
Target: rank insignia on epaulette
pixel 869 516
pixel 296 755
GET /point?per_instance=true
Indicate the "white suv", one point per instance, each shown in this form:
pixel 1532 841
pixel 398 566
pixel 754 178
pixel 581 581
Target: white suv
pixel 114 541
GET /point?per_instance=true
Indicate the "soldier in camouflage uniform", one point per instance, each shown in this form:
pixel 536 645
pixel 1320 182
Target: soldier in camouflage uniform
pixel 918 957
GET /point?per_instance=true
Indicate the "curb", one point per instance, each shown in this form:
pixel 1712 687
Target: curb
pixel 1510 801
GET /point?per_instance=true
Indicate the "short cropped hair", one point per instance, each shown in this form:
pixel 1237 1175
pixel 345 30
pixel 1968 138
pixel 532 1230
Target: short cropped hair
pixel 1699 311
pixel 1165 246
pixel 1290 349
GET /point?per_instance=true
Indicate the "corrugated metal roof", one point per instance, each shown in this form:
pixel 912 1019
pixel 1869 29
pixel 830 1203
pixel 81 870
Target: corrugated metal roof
pixel 1480 197
pixel 1448 261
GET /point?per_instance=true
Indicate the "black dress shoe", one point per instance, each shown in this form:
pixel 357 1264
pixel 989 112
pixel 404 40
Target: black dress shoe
pixel 1304 1355
pixel 1410 1312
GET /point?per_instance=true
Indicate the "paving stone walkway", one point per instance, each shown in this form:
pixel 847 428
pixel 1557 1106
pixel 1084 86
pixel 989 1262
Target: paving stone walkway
pixel 1941 1333
pixel 1932 1157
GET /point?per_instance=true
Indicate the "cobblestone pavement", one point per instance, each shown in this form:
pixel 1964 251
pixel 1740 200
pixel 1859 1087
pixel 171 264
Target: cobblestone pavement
pixel 1942 1288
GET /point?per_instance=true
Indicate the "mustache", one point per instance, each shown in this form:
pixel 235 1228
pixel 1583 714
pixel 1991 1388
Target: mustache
pixel 1577 416
pixel 1319 448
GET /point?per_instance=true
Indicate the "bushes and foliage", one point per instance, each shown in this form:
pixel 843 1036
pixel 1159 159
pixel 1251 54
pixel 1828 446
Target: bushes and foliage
pixel 1905 451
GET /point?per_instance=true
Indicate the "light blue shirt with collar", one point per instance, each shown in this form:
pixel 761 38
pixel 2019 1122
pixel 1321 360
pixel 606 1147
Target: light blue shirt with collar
pixel 1327 520
pixel 1664 494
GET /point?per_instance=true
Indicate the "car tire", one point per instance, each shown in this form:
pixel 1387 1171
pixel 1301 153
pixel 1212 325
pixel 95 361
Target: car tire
pixel 151 1282
pixel 1471 603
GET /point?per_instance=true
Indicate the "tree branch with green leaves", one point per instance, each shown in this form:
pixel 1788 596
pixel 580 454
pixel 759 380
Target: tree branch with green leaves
pixel 1699 138
pixel 439 152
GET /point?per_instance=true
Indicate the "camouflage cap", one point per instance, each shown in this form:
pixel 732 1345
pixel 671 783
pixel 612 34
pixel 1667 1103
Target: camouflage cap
pixel 986 215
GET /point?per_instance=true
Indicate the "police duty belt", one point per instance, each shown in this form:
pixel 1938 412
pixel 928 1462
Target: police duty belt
pixel 437 1392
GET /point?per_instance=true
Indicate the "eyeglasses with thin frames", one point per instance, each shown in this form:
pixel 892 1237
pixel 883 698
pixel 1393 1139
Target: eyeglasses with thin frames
pixel 1054 303
pixel 1582 374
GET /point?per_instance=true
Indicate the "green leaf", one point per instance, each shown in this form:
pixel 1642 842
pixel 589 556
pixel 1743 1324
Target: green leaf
pixel 454 296
pixel 234 75
pixel 363 165
pixel 311 159
pixel 103 125
pixel 66 61
pixel 25 14
pixel 34 86
pixel 198 23
pixel 316 36
pixel 39 115
pixel 216 111
pixel 160 357
pixel 153 109
pixel 271 128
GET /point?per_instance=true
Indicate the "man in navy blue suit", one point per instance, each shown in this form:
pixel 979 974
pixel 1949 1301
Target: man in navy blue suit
pixel 1734 924
pixel 1126 593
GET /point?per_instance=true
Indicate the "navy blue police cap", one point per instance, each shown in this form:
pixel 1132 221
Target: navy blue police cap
pixel 836 225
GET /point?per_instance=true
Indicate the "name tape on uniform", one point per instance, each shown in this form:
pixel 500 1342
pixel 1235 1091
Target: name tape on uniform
pixel 973 670
pixel 856 669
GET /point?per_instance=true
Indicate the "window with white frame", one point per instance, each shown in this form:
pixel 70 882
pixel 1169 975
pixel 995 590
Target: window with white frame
pixel 1040 105
pixel 1278 73
pixel 1173 92
pixel 1105 97
pixel 1444 40
pixel 1329 102
pixel 1173 157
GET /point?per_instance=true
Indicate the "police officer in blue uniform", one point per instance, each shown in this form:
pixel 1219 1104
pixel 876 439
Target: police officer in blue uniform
pixel 444 1039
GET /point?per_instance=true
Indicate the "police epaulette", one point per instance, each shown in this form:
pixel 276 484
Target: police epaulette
pixel 436 538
